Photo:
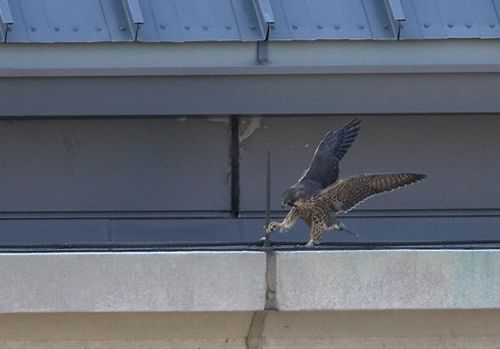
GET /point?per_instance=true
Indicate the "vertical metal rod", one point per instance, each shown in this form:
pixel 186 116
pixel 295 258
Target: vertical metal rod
pixel 267 241
pixel 268 189
pixel 235 166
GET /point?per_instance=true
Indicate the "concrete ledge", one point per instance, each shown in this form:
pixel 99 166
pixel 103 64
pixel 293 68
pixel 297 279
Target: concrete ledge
pixel 236 281
pixel 132 282
pixel 401 279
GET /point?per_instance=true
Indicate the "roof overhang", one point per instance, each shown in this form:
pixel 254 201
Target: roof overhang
pixel 322 77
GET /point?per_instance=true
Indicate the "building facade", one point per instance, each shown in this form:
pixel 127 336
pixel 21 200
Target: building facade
pixel 134 139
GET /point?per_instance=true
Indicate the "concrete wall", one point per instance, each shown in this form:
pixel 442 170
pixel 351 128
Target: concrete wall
pixel 457 329
pixel 325 299
pixel 243 281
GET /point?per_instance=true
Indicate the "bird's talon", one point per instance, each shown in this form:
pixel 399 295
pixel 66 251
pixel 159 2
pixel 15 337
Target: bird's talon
pixel 272 227
pixel 310 244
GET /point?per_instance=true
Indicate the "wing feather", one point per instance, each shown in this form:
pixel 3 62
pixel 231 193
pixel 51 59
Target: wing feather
pixel 346 194
pixel 324 168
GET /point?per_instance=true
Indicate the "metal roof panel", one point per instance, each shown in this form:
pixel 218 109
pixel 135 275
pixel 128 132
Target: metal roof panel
pixel 321 19
pixel 203 20
pixel 458 20
pixel 297 20
pixel 6 19
pixel 486 18
pixel 199 20
pixel 238 20
pixel 424 20
pixel 379 20
pixel 160 22
pixel 445 19
pixel 18 31
pixel 68 21
pixel 246 19
pixel 116 20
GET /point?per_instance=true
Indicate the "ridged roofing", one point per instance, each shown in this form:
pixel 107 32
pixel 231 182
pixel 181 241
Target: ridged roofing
pixel 49 21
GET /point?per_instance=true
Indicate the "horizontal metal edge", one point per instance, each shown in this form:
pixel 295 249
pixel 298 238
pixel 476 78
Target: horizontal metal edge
pixel 219 59
pixel 360 213
pixel 255 70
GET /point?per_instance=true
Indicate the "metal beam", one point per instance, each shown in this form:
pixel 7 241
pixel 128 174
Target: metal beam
pixel 265 14
pixel 396 15
pixel 134 16
pixel 6 19
pixel 242 94
pixel 266 19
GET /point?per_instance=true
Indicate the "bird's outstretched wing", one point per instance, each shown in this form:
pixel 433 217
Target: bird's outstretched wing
pixel 346 194
pixel 324 168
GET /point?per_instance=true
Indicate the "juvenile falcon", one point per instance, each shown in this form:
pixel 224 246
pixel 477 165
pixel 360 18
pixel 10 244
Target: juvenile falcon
pixel 318 197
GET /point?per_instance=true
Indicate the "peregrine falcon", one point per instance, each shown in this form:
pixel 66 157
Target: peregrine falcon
pixel 318 196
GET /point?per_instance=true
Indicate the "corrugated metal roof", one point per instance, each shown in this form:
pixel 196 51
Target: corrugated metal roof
pixel 199 20
pixel 68 21
pixel 106 20
pixel 443 19
pixel 248 20
pixel 330 20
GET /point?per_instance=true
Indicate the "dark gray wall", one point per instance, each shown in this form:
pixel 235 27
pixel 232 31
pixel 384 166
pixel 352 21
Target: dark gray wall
pixel 114 165
pixel 164 180
pixel 459 153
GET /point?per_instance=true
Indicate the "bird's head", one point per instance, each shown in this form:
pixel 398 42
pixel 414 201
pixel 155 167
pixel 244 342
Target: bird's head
pixel 293 196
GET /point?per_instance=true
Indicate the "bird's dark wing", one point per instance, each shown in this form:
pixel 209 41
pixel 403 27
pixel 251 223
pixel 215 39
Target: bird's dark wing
pixel 346 194
pixel 324 168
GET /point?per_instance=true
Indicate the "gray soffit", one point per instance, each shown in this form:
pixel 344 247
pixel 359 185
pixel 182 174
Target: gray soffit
pixel 50 21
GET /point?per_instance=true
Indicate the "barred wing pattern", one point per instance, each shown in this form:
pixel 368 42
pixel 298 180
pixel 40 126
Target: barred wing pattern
pixel 350 192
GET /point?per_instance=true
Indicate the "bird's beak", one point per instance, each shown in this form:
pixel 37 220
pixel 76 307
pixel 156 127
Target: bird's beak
pixel 297 203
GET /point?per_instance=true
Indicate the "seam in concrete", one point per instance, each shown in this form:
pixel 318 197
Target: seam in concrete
pixel 254 339
pixel 271 278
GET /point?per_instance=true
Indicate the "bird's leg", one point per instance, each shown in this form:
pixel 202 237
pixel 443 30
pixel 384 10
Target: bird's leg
pixel 339 226
pixel 287 223
pixel 317 229
pixel 272 227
